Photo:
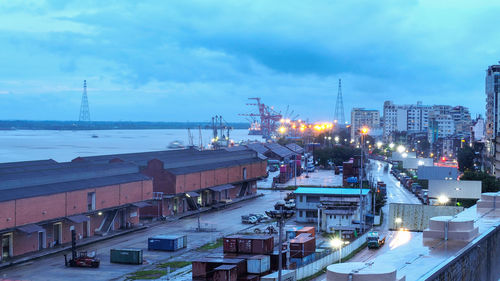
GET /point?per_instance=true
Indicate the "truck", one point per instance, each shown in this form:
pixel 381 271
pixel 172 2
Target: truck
pixel 374 240
pixel 382 188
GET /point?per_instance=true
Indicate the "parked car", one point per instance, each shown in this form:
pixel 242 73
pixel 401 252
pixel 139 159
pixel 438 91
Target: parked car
pixel 249 219
pixel 290 204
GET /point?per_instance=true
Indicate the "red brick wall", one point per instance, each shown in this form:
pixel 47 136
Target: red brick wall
pixel 76 201
pixel 147 190
pixel 42 208
pixel 24 243
pixel 235 174
pixel 192 182
pixel 221 176
pixel 208 178
pixel 130 192
pixel 7 214
pixel 107 197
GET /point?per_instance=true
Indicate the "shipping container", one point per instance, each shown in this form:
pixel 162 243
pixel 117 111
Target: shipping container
pixel 303 245
pixel 304 260
pixel 292 232
pixel 249 277
pixel 286 275
pixel 262 244
pixel 205 267
pixel 308 229
pixel 126 256
pixel 274 258
pixel 226 272
pixel 244 245
pixel 230 244
pixel 258 264
pixel 167 242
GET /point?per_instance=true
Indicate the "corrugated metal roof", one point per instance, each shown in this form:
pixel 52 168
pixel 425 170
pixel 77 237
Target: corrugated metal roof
pixel 295 148
pixel 60 187
pixel 67 172
pixel 220 188
pixel 330 191
pixel 279 150
pixel 27 163
pixel 30 228
pixel 258 147
pixel 210 166
pixel 78 218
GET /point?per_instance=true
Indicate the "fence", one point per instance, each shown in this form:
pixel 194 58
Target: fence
pixel 416 217
pixel 316 266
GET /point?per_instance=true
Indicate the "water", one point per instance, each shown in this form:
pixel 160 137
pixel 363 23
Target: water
pixel 24 145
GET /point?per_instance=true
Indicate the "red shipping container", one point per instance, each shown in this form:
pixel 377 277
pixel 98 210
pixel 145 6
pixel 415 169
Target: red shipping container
pixel 275 260
pixel 230 244
pixel 283 169
pixel 262 244
pixel 307 230
pixel 302 246
pixel 226 273
pixel 205 268
pixel 299 157
pixel 244 245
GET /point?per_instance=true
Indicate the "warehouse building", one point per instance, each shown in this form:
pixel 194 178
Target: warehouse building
pixel 186 179
pixel 42 201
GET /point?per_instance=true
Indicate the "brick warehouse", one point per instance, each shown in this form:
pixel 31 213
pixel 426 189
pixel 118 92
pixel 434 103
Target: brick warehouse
pixel 186 179
pixel 43 200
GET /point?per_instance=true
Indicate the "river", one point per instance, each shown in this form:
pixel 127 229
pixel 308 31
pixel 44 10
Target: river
pixel 25 145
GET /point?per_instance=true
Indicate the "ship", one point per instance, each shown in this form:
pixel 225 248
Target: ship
pixel 176 145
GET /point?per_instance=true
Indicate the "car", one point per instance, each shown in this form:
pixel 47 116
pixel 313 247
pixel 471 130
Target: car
pixel 310 169
pixel 249 219
pixel 290 204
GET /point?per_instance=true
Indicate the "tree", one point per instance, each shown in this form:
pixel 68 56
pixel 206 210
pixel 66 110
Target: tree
pixel 490 183
pixel 465 158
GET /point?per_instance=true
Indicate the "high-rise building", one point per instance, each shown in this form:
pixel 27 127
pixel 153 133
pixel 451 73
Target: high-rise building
pixel 360 118
pixel 419 118
pixel 492 88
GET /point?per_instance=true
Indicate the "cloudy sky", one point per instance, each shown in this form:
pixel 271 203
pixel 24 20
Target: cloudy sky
pixel 189 60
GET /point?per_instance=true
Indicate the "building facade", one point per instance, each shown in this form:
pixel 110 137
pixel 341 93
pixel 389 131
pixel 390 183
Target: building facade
pixel 42 201
pixel 360 118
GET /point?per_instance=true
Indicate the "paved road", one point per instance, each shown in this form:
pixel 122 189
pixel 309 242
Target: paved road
pixel 226 222
pixel 395 194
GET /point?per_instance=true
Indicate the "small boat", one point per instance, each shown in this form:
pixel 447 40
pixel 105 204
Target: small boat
pixel 95 136
pixel 175 145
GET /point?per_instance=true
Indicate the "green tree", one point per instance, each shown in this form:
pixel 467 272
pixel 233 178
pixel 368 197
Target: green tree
pixel 490 183
pixel 465 158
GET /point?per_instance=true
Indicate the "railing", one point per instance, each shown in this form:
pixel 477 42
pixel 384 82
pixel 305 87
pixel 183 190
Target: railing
pixel 314 267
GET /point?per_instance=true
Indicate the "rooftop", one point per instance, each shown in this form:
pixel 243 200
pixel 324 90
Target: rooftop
pixel 330 191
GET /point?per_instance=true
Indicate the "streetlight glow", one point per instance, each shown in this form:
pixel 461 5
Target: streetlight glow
pixel 401 148
pixel 443 199
pixel 364 130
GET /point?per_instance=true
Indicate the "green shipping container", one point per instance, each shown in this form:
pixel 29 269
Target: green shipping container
pixel 128 256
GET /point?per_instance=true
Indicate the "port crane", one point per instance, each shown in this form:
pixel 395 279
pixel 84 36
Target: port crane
pixel 269 118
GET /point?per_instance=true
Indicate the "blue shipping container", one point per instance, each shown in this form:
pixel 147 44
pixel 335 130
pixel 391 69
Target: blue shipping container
pixel 167 242
pixel 303 261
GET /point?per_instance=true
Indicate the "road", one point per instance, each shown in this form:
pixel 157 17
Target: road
pixel 395 194
pixel 227 221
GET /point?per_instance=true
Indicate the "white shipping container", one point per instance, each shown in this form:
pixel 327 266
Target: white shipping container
pixel 258 264
pixel 286 275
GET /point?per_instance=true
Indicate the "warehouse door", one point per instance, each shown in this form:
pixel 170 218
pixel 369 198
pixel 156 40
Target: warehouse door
pixel 57 233
pixel 6 246
pixel 41 240
pixel 86 229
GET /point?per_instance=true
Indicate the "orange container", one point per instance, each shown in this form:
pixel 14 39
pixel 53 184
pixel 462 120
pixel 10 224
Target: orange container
pixel 309 229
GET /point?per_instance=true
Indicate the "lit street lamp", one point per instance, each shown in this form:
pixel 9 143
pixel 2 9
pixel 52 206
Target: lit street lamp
pixel 398 221
pixel 338 243
pixel 443 199
pixel 281 215
pixel 401 148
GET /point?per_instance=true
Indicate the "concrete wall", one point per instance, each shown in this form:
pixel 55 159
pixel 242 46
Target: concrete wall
pixel 415 217
pixel 477 261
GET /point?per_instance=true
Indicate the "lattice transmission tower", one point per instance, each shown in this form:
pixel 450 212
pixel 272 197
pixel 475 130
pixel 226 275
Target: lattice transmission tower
pixel 339 106
pixel 84 107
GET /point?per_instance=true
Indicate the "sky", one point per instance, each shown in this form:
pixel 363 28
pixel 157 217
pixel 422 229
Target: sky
pixel 190 60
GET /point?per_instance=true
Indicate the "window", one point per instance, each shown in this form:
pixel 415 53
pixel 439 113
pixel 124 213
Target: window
pixel 244 173
pixel 301 198
pixel 313 199
pixel 301 213
pixel 311 214
pixel 334 216
pixel 91 201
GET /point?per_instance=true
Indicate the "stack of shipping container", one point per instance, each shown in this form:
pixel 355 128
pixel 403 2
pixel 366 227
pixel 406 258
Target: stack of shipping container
pixel 303 247
pixel 287 170
pixel 252 255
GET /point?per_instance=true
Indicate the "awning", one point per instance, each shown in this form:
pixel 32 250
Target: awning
pixel 78 218
pixel 192 194
pixel 168 196
pixel 30 228
pixel 141 204
pixel 220 188
pixel 338 212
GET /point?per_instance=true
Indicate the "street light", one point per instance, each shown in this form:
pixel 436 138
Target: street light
pixel 443 199
pixel 398 221
pixel 401 148
pixel 338 243
pixel 281 215
pixel 364 131
pixel 391 145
